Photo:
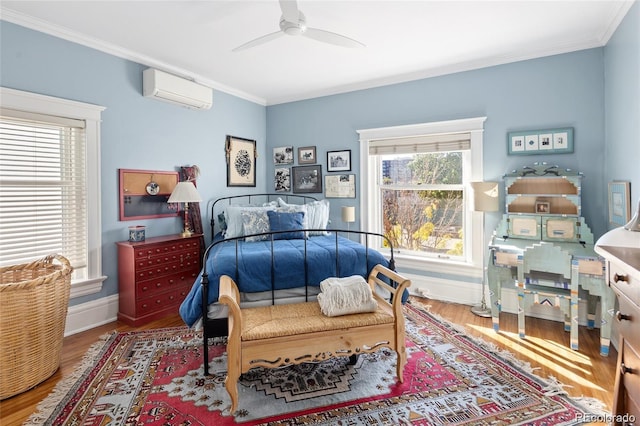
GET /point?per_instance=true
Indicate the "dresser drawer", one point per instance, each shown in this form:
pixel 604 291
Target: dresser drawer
pixel 144 262
pixel 630 378
pixel 628 318
pixel 623 282
pixel 160 302
pixel 157 250
pixel 181 279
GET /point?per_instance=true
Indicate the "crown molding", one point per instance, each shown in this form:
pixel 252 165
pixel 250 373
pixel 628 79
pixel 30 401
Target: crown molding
pixel 118 51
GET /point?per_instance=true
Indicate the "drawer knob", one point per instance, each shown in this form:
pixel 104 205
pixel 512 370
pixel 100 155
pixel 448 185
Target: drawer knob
pixel 624 369
pixel 617 278
pixel 622 317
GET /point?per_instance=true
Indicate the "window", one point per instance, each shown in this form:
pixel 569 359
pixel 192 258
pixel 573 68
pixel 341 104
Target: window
pixel 49 202
pixel 415 181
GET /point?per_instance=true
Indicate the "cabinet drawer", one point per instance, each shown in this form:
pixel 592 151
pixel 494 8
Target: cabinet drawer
pixel 631 379
pixel 160 302
pixel 149 262
pixel 158 250
pixel 623 282
pixel 148 288
pixel 628 318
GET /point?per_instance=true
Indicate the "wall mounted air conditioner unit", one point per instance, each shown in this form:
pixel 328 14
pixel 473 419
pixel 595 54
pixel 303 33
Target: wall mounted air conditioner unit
pixel 177 90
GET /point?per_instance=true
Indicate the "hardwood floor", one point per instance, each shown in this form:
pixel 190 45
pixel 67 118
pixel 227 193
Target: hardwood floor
pixel 546 349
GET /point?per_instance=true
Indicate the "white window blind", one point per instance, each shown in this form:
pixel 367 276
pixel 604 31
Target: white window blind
pixel 43 203
pixel 421 144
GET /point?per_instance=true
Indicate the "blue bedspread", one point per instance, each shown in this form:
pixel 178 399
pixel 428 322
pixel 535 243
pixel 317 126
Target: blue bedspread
pixel 255 272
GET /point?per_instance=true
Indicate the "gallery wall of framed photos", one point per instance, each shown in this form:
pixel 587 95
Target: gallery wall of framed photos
pixel 296 170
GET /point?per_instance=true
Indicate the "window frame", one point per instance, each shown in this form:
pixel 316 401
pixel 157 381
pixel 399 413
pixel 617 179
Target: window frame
pixel 91 114
pixel 471 264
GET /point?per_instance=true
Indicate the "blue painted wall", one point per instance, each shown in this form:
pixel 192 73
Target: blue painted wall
pixel 622 104
pixel 137 133
pixel 557 91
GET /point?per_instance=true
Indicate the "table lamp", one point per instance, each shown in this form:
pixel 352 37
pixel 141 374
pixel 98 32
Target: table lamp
pixel 185 192
pixel 485 199
pixel 348 215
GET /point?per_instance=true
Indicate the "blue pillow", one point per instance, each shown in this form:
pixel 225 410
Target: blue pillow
pixel 280 221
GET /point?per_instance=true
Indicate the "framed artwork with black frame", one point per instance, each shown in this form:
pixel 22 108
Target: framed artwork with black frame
pixel 306 179
pixel 339 161
pixel 241 161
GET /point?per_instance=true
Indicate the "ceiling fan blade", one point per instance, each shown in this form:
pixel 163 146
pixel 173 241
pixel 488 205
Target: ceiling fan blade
pixel 331 38
pixel 258 41
pixel 290 11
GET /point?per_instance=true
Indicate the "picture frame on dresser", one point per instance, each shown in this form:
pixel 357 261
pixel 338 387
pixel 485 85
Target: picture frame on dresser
pixel 619 203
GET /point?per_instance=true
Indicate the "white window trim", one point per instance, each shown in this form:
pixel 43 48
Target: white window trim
pixel 475 127
pixel 91 114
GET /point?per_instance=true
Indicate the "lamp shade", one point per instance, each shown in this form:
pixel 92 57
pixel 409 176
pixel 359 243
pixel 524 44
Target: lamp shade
pixel 184 192
pixel 348 214
pixel 486 196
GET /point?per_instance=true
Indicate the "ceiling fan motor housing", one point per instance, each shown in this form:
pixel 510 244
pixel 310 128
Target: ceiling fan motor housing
pixel 294 28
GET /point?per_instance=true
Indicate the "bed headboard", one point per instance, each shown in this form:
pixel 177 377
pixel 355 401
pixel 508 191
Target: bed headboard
pixel 218 205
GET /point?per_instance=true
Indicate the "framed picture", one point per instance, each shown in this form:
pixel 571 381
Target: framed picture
pixel 144 194
pixel 283 155
pixel 307 179
pixel 307 155
pixel 542 207
pixel 619 203
pixel 551 141
pixel 339 161
pixel 282 179
pixel 340 186
pixel 241 161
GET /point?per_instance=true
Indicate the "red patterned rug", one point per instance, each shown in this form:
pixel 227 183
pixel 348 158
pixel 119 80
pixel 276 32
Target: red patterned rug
pixel 156 378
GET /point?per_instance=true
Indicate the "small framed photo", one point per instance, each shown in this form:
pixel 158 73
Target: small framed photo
pixel 619 203
pixel 306 179
pixel 542 207
pixel 283 155
pixel 307 155
pixel 339 161
pixel 282 179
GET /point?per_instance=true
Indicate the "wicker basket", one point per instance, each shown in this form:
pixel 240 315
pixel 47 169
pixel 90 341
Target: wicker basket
pixel 34 298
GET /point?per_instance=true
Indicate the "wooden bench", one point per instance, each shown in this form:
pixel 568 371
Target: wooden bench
pixel 277 335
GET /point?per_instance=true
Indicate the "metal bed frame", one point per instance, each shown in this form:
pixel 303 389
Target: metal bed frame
pixel 217 327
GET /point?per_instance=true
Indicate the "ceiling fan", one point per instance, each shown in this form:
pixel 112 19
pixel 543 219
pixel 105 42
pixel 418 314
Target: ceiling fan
pixel 293 23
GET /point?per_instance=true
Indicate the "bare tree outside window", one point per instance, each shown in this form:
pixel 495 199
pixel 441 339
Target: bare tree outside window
pixel 422 202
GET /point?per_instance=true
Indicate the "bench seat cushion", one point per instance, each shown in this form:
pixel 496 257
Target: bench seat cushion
pixel 300 318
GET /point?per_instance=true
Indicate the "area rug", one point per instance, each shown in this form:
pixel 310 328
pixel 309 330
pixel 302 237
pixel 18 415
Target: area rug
pixel 156 378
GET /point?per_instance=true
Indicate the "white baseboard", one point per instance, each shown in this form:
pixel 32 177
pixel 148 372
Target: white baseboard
pixel 91 314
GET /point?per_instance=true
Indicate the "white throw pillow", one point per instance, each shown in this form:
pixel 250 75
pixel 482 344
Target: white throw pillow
pixel 316 214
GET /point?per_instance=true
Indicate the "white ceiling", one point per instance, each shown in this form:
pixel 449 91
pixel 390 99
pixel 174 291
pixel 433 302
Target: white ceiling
pixel 405 40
